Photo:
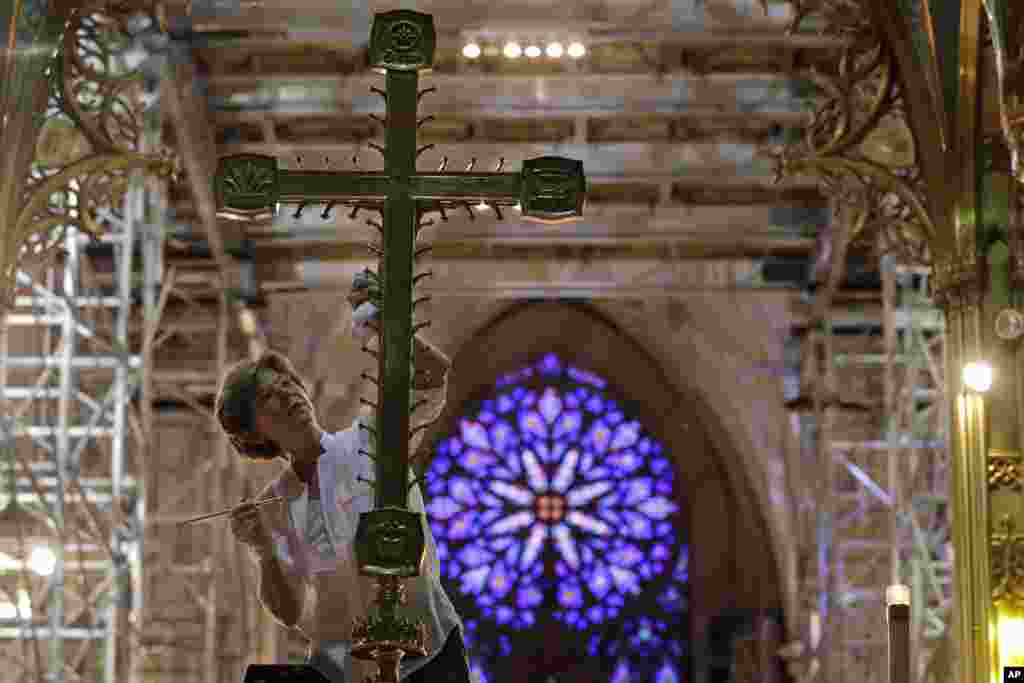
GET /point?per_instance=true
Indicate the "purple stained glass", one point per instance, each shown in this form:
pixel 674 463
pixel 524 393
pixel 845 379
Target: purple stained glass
pixel 549 501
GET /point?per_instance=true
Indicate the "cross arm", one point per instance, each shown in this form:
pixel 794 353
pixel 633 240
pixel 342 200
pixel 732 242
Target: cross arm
pixel 548 189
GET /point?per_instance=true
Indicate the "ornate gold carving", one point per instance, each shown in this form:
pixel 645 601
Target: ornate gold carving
pixel 1005 471
pixel 858 144
pixel 1007 552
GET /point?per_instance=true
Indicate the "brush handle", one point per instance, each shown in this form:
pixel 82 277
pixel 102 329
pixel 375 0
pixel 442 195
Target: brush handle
pixel 224 513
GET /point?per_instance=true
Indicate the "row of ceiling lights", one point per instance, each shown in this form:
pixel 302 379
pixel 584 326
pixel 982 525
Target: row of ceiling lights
pixel 513 50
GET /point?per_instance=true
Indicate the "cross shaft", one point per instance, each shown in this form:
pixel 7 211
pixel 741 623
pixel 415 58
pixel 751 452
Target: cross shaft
pixel 548 189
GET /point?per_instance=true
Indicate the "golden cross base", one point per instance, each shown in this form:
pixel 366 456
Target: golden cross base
pixel 388 638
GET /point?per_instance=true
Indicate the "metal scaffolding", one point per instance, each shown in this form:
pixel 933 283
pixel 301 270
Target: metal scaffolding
pixel 885 519
pixel 76 465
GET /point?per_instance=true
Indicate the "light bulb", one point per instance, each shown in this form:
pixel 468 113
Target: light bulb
pixel 512 50
pixel 532 51
pixel 471 51
pixel 977 375
pixel 554 50
pixel 483 206
pixel 576 50
pixel 42 561
pixel 897 594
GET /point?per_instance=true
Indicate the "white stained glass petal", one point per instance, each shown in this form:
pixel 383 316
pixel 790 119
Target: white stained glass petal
pixel 657 508
pixel 565 544
pixel 588 523
pixel 584 494
pixel 566 471
pixel 624 579
pixel 443 508
pixel 474 434
pixel 473 581
pixel 513 522
pixel 512 493
pixel 625 436
pixel 535 474
pixel 534 544
pixel 550 405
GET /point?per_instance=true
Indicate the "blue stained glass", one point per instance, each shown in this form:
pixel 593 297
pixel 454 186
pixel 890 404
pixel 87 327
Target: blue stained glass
pixel 534 544
pixel 461 526
pixel 606 518
pixel 474 434
pixel 587 493
pixel 502 436
pixel 443 508
pixel 626 435
pixel 532 424
pixel 500 582
pixel 626 461
pixel 568 425
pixel 566 545
pixel 550 364
pixel 624 579
pixel 599 582
pixel 505 403
pixel 550 406
pixel 474 579
pixel 566 472
pixel 462 491
pixel 474 556
pixel 513 493
pixel 657 508
pixel 638 491
pixel 536 477
pixel 599 436
pixel 667 674
pixel 621 673
pixel 501 542
pixel 588 523
pixel 570 595
pixel 529 596
pixel 478 462
pixel 512 523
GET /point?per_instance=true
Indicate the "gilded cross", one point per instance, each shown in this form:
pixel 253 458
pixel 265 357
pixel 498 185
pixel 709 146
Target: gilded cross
pixel 390 539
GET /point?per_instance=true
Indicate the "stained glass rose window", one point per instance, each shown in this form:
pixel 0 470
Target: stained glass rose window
pixel 548 501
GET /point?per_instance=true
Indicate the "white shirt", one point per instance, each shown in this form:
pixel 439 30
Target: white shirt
pixel 313 541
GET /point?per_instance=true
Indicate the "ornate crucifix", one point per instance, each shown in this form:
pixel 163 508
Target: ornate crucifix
pixel 390 540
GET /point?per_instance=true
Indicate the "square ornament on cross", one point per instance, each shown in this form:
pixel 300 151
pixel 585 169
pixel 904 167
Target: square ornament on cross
pixel 553 190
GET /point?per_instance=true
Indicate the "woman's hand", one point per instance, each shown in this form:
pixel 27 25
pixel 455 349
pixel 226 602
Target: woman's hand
pixel 247 527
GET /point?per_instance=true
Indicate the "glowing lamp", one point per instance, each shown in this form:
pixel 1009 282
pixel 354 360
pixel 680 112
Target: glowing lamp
pixel 471 51
pixel 977 375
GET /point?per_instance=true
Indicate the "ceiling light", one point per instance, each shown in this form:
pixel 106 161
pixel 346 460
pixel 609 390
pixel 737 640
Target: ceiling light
pixel 576 50
pixel 532 51
pixel 554 50
pixel 42 561
pixel 977 376
pixel 512 50
pixel 483 206
pixel 471 51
